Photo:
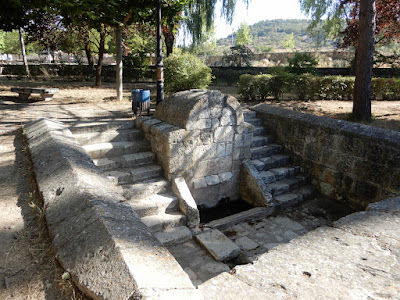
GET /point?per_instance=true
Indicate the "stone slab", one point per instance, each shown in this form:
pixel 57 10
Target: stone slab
pixel 228 287
pixel 186 202
pixel 326 264
pixel 174 235
pixel 218 245
pixel 246 244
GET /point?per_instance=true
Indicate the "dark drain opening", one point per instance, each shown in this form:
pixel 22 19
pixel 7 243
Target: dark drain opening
pixel 224 208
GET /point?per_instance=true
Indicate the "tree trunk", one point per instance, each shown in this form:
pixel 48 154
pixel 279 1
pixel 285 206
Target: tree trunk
pixel 101 55
pixel 88 52
pixel 169 41
pixel 364 61
pixel 119 65
pixel 21 40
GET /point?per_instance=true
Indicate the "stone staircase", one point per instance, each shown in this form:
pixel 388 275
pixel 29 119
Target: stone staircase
pixel 122 152
pixel 283 180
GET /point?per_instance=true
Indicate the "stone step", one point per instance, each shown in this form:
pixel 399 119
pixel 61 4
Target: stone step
pixel 261 140
pixel 164 221
pixel 249 114
pixel 273 175
pixel 255 121
pixel 133 175
pixel 283 186
pixel 155 204
pixel 275 161
pixel 125 161
pixel 293 198
pixel 259 130
pixel 116 148
pixel 265 151
pixel 284 172
pixel 101 125
pixel 145 188
pixel 174 236
pixel 97 137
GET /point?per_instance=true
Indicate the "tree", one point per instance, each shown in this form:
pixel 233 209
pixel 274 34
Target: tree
pixel 199 16
pixel 288 42
pixel 243 36
pixel 240 56
pixel 386 27
pixel 14 14
pixel 364 61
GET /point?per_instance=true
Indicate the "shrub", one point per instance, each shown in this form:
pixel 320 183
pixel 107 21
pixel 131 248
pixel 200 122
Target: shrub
pixel 185 72
pixel 308 87
pixel 248 87
pixel 305 86
pixel 302 63
pixel 263 85
pixel 280 84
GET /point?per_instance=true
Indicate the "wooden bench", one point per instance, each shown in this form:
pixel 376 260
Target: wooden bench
pixel 45 94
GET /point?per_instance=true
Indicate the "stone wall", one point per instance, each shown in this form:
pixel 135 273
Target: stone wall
pixel 97 237
pixel 354 163
pixel 201 136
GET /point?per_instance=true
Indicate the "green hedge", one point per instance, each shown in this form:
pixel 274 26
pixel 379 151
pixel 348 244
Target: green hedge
pixel 309 87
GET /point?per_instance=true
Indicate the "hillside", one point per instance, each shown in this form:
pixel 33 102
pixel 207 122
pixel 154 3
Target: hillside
pixel 268 36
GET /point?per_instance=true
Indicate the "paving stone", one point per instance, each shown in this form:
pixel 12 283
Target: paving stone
pixel 218 245
pixel 246 244
pixel 235 231
pixel 174 235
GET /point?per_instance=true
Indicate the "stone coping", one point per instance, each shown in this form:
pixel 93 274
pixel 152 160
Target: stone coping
pixel 390 136
pixel 98 238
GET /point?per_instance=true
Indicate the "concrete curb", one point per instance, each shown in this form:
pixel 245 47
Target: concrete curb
pixel 98 239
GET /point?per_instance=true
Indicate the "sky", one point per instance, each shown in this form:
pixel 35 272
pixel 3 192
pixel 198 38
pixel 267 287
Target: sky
pixel 258 10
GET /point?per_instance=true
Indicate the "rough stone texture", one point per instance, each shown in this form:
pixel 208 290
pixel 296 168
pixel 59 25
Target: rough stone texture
pixel 354 163
pixel 187 205
pixel 218 245
pixel 99 239
pixel 358 258
pixel 252 187
pixel 201 136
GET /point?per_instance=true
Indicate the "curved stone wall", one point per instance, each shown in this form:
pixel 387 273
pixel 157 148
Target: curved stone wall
pixel 201 135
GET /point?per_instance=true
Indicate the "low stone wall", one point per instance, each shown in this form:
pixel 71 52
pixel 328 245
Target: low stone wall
pixel 98 238
pixel 354 163
pixel 201 135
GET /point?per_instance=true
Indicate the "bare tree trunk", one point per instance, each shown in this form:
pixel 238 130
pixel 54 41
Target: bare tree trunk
pixel 21 40
pixel 101 55
pixel 364 61
pixel 88 51
pixel 119 65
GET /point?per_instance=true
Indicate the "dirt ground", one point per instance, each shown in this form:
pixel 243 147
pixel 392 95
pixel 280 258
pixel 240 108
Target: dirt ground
pixel 28 268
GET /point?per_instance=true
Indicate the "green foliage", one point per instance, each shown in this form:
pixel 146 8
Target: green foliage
pixel 288 42
pixel 248 87
pixel 184 72
pixel 240 56
pixel 264 49
pixel 310 87
pixel 11 42
pixel 2 34
pixel 268 35
pixel 243 36
pixel 302 63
